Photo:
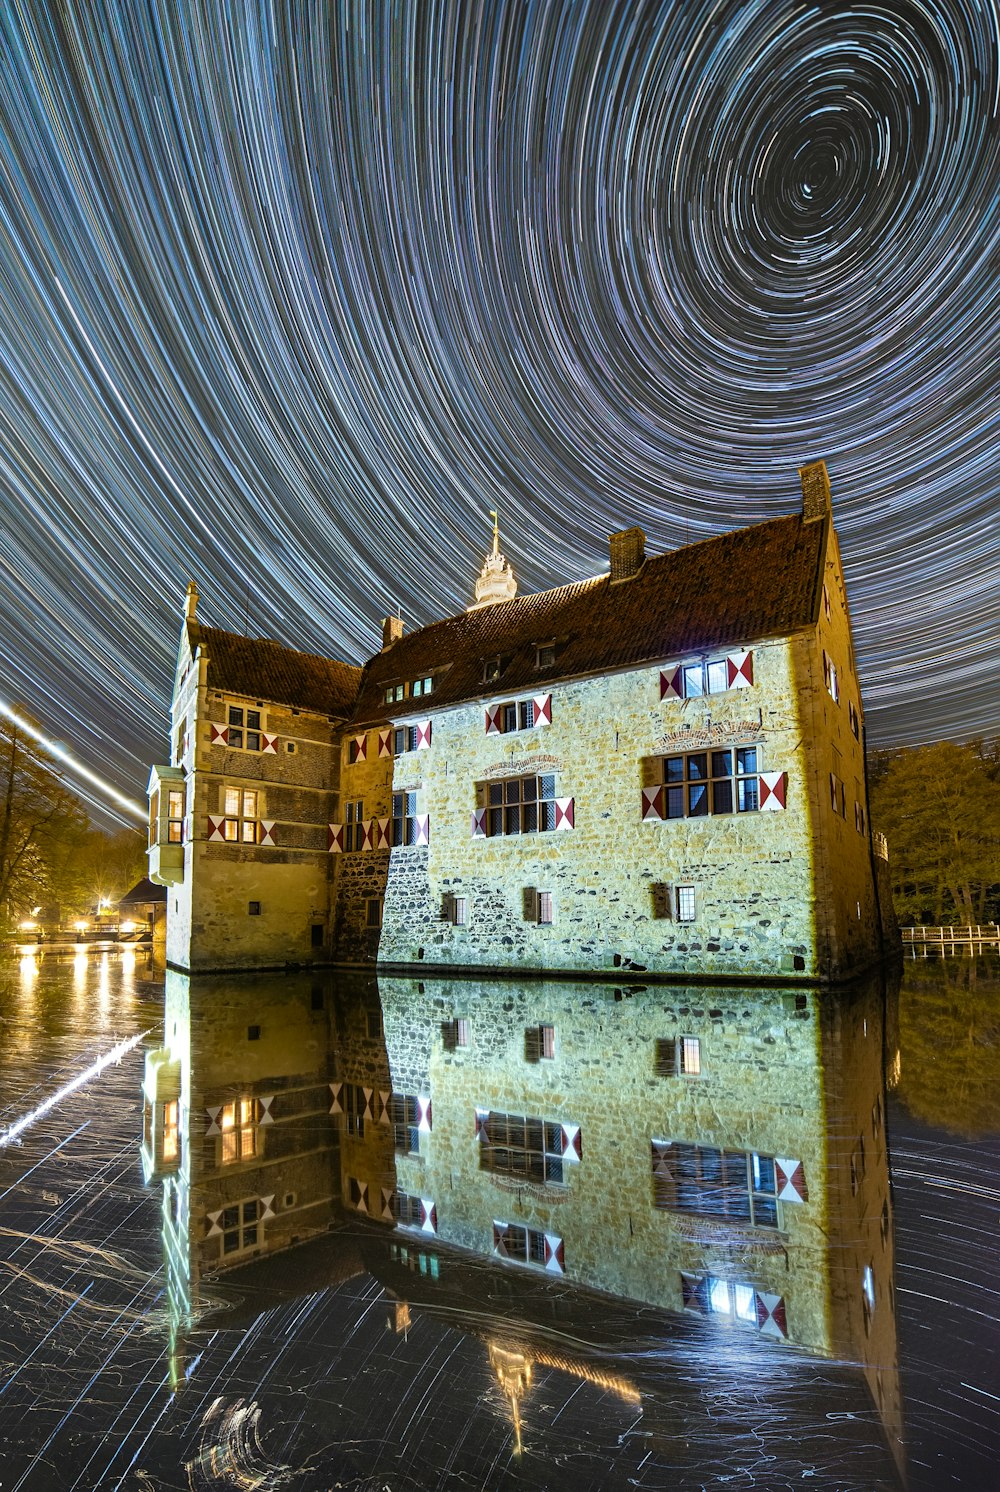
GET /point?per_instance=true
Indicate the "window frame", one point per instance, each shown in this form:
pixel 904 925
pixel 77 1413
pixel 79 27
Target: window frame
pixel 500 815
pixel 176 803
pixel 404 819
pixel 741 780
pixel 723 1180
pixel 245 825
pixel 250 726
pixel 542 1163
pixel 354 810
pixel 241 1226
pixel 239 1118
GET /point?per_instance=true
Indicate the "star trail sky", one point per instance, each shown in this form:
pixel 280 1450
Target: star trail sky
pixel 292 294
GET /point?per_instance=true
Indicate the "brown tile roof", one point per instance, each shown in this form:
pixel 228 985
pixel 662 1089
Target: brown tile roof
pixel 762 581
pixel 261 669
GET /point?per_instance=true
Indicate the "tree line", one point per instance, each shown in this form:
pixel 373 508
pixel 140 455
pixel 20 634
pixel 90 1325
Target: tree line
pixel 50 853
pixel 939 808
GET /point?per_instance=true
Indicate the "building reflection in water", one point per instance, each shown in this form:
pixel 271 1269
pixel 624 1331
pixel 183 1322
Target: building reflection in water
pixel 585 1178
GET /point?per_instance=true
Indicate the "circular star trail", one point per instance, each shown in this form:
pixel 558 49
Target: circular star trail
pixel 291 296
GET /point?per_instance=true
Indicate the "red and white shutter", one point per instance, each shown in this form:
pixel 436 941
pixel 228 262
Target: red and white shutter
pixel 360 748
pixel 492 717
pixel 266 831
pixel 672 683
pixel 771 1321
pixel 791 1179
pixel 384 834
pixel 739 670
pixel 268 744
pixel 654 805
pixel 216 830
pixel 500 1239
pixel 214 1226
pixel 266 1117
pixel 212 1115
pixel 362 1203
pixel 564 813
pixel 572 1143
pixel 384 1106
pixel 422 829
pixel 369 1109
pixel 335 838
pixel 423 735
pixel 368 829
pixel 428 1215
pixel 267 1207
pixel 336 1094
pixel 387 1213
pixel 385 743
pixel 773 787
pixel 693 1293
pixel 219 735
pixel 543 709
pixel 482 1121
pixel 479 823
pixel 424 1115
pixel 555 1254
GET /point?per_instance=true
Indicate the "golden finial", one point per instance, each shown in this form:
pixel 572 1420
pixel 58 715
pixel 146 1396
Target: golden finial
pixel 496 530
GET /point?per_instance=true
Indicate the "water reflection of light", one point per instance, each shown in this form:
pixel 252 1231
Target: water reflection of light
pixel 27 1120
pixel 126 960
pixel 80 972
pixel 29 968
pixel 104 984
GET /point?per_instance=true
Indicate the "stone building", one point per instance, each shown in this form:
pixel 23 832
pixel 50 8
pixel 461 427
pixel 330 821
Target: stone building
pixel 660 768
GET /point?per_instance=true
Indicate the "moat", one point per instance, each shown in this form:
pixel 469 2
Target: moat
pixel 324 1230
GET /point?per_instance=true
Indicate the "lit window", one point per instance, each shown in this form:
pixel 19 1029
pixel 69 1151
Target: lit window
pixel 459 910
pixel 544 908
pixel 170 1132
pixel 714 782
pixel 244 732
pixel 404 738
pixel 516 1146
pixel 686 904
pixel 513 715
pixel 678 1055
pixel 868 1293
pixel 240 824
pixel 733 1184
pixel 238 1123
pixel 421 686
pixel 515 1241
pixel 240 1226
pixel 539 1043
pixel 711 677
pixel 519 805
pixel 175 816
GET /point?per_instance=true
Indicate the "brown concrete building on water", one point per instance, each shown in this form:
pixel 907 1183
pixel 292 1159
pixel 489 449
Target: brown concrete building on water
pixel 661 768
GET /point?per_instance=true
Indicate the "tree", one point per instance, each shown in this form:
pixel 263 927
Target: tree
pixel 939 808
pixel 949 1040
pixel 41 826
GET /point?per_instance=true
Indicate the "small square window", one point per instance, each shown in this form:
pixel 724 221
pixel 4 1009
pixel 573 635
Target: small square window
pixel 455 1033
pixel 253 1033
pixel 253 908
pixel 317 931
pixel 545 655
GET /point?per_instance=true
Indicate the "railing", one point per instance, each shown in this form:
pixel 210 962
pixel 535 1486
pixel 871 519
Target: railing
pixel 974 937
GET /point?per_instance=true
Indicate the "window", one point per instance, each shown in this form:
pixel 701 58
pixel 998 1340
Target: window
pixel 545 908
pixel 316 932
pixel 240 1226
pixel 244 729
pixel 734 1184
pixel 705 678
pixel 545 655
pixel 514 1241
pixel 459 907
pixel 154 814
pixel 404 808
pixel 404 1116
pixel 455 1033
pixel 830 677
pixel 717 1297
pixel 520 805
pixel 175 816
pixel 678 1054
pixel 421 686
pixel 253 1033
pixel 868 1294
pixel 513 715
pixel 240 823
pixel 838 796
pixel 355 1109
pixel 356 749
pixel 876 1116
pixel 859 817
pixel 883 1224
pixel 238 1122
pixel 171 1140
pixel 854 719
pixel 373 912
pixel 539 1043
pixel 686 906
pixel 711 782
pixel 404 738
pixel 827 609
pixel 395 693
pixel 515 1146
pixel 354 812
pixel 180 742
pixel 407 1210
pixel 858 1165
pixel 492 669
pixel 253 908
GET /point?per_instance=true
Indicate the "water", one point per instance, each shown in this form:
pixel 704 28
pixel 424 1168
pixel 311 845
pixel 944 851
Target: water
pixel 750 1242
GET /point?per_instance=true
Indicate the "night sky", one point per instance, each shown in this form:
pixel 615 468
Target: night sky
pixel 292 294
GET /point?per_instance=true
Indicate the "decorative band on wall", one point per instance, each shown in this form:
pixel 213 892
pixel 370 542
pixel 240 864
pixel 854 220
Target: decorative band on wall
pixel 746 732
pixel 541 762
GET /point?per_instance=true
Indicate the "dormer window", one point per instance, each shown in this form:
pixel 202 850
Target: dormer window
pixel 492 669
pixel 394 693
pixel 545 654
pixel 421 686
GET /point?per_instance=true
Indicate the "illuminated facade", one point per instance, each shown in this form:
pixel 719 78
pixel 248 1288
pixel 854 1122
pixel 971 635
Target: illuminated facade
pixel 661 768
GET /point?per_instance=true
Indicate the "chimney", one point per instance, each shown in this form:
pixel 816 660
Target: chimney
pixel 392 631
pixel 191 602
pixel 628 553
pixel 815 481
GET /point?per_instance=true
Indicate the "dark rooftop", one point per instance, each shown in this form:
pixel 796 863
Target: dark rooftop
pixel 261 669
pixel 728 591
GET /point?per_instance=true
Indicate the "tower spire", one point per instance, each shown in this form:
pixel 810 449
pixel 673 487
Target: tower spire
pixel 496 580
